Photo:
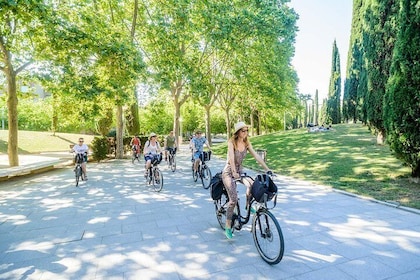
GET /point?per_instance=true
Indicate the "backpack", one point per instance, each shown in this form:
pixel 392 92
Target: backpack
pixel 263 188
pixel 217 188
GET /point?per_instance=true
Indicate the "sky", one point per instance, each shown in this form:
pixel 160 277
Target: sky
pixel 319 23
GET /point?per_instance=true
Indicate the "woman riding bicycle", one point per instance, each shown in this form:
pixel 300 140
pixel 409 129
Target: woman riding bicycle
pixel 197 144
pixel 238 146
pixel 82 149
pixel 151 148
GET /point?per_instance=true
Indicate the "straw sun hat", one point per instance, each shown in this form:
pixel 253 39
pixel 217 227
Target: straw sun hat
pixel 240 125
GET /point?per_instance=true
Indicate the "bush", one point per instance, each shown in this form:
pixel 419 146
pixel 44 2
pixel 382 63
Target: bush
pixel 100 148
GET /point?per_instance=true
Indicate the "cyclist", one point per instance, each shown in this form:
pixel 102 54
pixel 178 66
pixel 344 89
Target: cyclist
pixel 151 148
pixel 83 149
pixel 238 146
pixel 198 143
pixel 170 144
pixel 135 144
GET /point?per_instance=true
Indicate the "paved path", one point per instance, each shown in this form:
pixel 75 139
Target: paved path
pixel 116 227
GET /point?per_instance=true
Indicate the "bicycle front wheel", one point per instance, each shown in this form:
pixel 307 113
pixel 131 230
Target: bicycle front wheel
pixel 78 174
pixel 157 180
pixel 268 237
pixel 205 177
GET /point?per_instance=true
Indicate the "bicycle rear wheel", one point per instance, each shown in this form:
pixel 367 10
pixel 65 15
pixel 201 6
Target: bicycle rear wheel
pixel 268 237
pixel 172 163
pixel 221 207
pixel 194 174
pixel 157 180
pixel 205 176
pixel 78 174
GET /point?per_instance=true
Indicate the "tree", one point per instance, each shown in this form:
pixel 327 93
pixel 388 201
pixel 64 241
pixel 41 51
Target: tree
pixel 334 91
pixel 316 108
pixel 402 97
pixel 23 26
pixel 379 40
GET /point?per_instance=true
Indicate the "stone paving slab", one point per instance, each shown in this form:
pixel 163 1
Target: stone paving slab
pixel 114 226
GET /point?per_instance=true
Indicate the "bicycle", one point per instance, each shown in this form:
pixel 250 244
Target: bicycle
pixel 136 154
pixel 171 159
pixel 154 175
pixel 203 170
pixel 266 231
pixel 78 171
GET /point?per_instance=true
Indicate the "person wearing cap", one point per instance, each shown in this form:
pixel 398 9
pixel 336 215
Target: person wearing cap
pixel 198 143
pixel 151 148
pixel 238 146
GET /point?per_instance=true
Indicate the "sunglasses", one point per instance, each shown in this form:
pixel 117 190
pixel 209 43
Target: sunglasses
pixel 244 130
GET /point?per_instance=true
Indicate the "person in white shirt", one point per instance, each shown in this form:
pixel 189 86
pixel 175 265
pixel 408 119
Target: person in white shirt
pixel 151 148
pixel 83 149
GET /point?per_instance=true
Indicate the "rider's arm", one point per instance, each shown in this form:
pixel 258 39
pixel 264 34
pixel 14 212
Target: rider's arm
pixel 258 158
pixel 145 149
pixel 208 145
pixel 231 158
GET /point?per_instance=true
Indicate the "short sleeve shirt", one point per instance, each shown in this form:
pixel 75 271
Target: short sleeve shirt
pixel 80 149
pixel 198 144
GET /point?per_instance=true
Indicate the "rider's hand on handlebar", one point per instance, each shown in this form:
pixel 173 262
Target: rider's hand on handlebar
pixel 236 175
pixel 269 173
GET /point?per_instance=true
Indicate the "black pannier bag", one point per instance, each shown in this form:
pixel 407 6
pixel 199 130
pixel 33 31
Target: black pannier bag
pixel 216 186
pixel 157 158
pixel 263 185
pixel 205 156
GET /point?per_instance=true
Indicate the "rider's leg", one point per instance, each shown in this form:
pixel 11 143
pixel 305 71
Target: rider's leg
pixel 196 163
pixel 248 184
pixel 84 169
pixel 147 166
pixel 230 186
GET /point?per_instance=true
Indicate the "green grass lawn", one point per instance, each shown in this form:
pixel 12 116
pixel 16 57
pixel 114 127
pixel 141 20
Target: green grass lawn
pixel 33 142
pixel 346 158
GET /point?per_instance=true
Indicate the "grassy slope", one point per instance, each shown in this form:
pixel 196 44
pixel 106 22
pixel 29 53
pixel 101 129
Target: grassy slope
pixel 345 158
pixel 32 142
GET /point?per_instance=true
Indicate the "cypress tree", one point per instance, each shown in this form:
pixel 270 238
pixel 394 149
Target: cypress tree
pixel 334 91
pixel 316 108
pixel 351 97
pixel 402 98
pixel 379 39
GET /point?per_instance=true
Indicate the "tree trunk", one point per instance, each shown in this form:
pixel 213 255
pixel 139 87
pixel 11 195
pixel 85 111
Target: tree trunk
pixel 119 153
pixel 207 122
pixel 176 91
pixel 12 102
pixel 55 114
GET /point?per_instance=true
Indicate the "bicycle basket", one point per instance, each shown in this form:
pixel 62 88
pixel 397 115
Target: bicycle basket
pixel 263 187
pixel 79 158
pixel 206 156
pixel 217 187
pixel 156 159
